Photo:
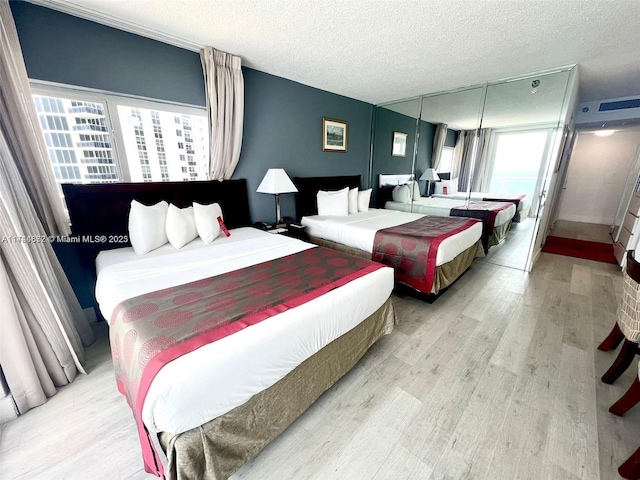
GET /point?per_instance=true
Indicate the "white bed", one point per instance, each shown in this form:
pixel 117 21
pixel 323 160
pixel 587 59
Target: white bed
pixel 524 204
pixel 358 230
pixel 201 385
pixel 442 207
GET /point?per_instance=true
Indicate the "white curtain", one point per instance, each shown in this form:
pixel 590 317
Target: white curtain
pixel 464 148
pixel 19 122
pixel 225 108
pixel 438 143
pixel 481 182
pixel 42 326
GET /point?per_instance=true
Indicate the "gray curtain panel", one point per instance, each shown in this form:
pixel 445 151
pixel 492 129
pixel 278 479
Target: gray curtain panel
pixel 481 180
pixel 466 140
pixel 438 143
pixel 42 327
pixel 19 122
pixel 225 109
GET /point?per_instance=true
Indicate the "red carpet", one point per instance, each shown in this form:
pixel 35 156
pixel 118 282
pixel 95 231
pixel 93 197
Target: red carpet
pixel 569 247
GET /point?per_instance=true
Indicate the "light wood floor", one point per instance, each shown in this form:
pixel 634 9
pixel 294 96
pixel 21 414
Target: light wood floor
pixel 513 251
pixel 590 232
pixel 498 379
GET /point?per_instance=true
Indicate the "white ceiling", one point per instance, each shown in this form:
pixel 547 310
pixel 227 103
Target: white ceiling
pixel 383 50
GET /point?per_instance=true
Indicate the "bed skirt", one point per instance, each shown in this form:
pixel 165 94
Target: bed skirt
pixel 217 449
pixel 521 215
pixel 445 274
pixel 499 233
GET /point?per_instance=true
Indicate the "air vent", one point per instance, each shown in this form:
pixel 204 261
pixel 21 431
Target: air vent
pixel 619 105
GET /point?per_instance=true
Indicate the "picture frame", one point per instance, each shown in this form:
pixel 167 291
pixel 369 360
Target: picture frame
pixel 399 144
pixel 335 135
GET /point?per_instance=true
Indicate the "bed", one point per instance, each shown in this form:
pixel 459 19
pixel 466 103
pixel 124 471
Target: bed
pixel 522 202
pixel 367 234
pixel 496 216
pixel 214 407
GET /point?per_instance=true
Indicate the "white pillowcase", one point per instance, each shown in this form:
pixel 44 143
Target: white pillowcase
pixel 364 198
pixel 147 229
pixel 401 194
pixel 353 200
pixel 206 217
pixel 333 203
pixel 415 189
pixel 181 226
pixel 452 186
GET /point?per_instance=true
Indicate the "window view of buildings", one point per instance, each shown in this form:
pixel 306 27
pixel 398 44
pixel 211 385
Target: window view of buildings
pixel 154 145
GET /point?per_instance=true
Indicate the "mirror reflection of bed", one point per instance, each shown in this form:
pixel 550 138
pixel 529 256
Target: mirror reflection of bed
pixel 497 142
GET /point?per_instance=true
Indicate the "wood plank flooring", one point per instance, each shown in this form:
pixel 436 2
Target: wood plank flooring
pixel 498 379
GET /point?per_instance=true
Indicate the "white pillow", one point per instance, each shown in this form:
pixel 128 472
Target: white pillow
pixel 452 186
pixel 206 217
pixel 401 194
pixel 415 190
pixel 333 203
pixel 147 226
pixel 353 200
pixel 364 198
pixel 181 226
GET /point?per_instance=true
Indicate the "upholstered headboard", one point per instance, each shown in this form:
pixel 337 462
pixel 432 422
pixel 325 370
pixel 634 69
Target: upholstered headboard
pixel 308 187
pixel 103 209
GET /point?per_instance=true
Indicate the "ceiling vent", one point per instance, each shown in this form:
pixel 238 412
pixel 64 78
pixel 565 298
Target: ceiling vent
pixel 610 110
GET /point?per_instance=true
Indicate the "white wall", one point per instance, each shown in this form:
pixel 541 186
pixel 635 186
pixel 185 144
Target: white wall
pixel 597 175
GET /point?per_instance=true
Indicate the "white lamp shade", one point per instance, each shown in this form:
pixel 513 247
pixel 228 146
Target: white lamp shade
pixel 430 175
pixel 276 181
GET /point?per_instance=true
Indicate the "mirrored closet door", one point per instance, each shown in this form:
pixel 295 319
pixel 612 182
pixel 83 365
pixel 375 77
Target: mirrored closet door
pixel 395 141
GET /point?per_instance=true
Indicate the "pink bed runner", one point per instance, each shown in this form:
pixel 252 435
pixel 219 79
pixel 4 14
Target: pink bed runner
pixel 151 330
pixel 411 249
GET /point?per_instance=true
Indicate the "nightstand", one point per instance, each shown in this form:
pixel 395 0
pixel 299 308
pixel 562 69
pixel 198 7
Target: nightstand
pixel 292 230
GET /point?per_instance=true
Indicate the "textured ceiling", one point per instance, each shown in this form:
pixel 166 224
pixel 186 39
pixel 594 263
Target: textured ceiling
pixel 383 50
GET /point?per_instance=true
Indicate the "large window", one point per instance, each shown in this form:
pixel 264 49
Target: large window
pixel 95 138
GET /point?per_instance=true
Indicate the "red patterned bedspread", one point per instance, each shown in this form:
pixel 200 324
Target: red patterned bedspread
pixel 411 249
pixel 151 330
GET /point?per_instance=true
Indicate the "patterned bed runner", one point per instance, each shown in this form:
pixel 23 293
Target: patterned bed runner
pixel 151 330
pixel 411 249
pixel 485 211
pixel 505 198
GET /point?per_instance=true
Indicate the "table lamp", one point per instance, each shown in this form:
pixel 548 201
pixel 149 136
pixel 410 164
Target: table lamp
pixel 276 181
pixel 429 175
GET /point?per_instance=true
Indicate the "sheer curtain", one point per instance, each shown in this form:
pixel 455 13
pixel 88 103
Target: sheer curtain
pixel 225 108
pixel 463 158
pixel 438 143
pixel 481 182
pixel 42 326
pixel 19 122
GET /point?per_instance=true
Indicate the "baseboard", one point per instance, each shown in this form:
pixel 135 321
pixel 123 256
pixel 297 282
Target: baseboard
pixel 7 409
pixel 587 219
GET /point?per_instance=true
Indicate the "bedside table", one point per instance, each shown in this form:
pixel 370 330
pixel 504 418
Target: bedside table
pixel 298 231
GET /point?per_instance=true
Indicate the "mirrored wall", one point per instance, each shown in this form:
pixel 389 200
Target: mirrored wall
pixel 475 148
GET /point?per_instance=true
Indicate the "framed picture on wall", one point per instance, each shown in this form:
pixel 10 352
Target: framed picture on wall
pixel 399 148
pixel 334 135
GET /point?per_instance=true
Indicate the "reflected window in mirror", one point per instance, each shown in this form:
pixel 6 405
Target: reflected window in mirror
pixel 446 160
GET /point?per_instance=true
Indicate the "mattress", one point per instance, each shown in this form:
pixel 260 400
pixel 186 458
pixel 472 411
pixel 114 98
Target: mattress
pixel 223 375
pixel 442 207
pixel 522 205
pixel 358 230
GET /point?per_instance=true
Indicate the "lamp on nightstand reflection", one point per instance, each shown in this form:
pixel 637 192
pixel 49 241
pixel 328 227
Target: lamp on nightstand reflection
pixel 276 181
pixel 429 175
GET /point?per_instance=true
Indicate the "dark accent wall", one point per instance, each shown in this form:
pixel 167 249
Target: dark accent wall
pixel 283 129
pixel 65 49
pixel 282 120
pixel 452 138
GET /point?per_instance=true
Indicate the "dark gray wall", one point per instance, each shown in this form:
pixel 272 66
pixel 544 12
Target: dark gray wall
pixel 65 49
pixel 282 122
pixel 283 129
pixel 452 138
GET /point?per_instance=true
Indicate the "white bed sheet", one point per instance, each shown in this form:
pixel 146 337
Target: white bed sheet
pixel 442 207
pixel 358 230
pixel 220 376
pixel 522 205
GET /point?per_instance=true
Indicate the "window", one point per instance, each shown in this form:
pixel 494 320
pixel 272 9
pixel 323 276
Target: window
pixel 446 160
pixel 82 130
